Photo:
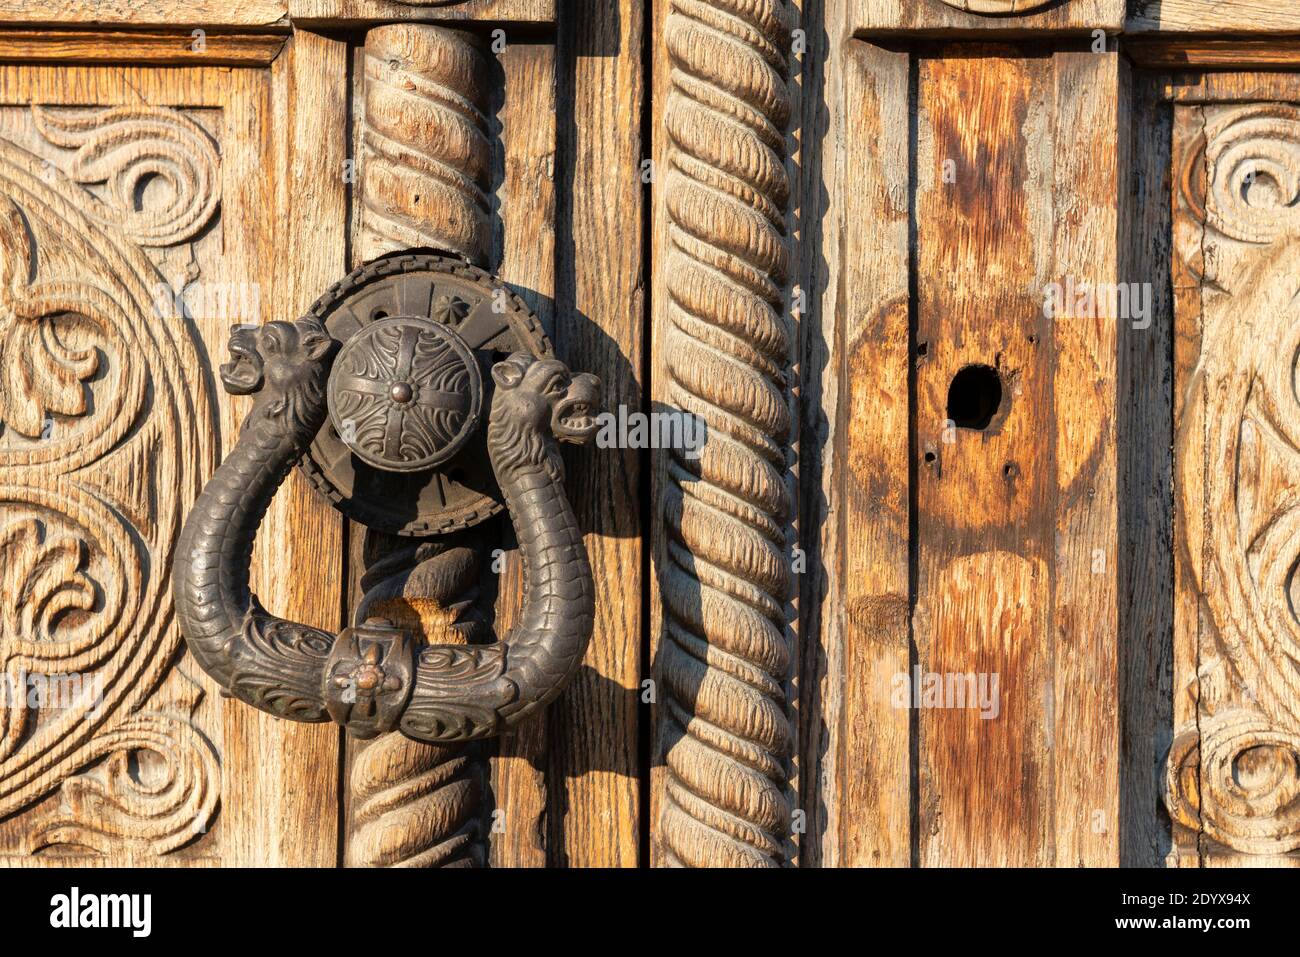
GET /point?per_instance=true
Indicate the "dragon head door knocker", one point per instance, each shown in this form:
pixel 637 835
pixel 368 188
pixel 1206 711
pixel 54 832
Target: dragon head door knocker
pixel 378 394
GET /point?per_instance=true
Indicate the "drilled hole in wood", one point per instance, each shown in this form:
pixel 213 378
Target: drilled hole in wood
pixel 974 396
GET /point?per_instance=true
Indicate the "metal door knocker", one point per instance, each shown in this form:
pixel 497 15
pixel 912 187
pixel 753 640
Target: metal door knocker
pixel 378 394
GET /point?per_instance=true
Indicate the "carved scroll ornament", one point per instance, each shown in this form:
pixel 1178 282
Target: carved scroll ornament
pixel 1234 773
pixel 104 438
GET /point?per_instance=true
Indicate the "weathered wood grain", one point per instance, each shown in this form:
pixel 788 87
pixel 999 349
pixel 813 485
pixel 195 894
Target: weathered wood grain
pixel 869 557
pixel 600 327
pixel 1016 522
pixel 348 12
pixel 1090 214
pixel 144 13
pixel 524 256
pixel 1176 53
pixel 984 498
pixel 172 49
pixel 1213 16
pixel 1144 424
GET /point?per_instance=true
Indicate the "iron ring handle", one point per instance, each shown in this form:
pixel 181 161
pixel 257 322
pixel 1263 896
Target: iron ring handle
pixel 372 678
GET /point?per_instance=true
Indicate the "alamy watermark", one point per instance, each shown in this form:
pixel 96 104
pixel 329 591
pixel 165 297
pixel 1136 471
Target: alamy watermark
pixel 674 429
pixel 1131 301
pixel 62 692
pixel 970 690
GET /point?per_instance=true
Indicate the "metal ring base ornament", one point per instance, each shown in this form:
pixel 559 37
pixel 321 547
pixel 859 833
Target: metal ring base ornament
pixel 418 390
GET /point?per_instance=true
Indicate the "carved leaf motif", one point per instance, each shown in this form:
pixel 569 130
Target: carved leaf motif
pixel 39 376
pixel 42 577
pixel 127 148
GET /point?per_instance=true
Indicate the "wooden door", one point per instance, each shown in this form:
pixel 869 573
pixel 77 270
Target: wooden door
pixel 1044 446
pixel 987 310
pixel 171 170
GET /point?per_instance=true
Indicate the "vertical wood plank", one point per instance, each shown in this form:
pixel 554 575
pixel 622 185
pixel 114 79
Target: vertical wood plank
pixel 1091 155
pixel 1146 560
pixel 985 526
pixel 600 309
pixel 526 260
pixel 873 788
pixel 280 798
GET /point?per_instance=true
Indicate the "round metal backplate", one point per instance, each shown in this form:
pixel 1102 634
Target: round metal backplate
pixel 447 492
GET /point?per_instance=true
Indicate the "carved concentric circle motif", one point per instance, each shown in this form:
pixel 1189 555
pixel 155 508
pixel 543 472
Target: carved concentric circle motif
pixel 414 461
pixel 404 393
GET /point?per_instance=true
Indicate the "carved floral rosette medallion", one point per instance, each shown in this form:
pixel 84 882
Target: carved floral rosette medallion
pixel 104 439
pixel 1233 774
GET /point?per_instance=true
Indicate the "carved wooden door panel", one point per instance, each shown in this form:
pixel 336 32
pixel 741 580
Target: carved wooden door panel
pixel 145 210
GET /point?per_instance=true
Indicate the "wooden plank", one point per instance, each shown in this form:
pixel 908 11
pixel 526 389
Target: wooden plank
pixel 352 12
pixel 599 326
pixel 1144 420
pixel 1213 16
pixel 872 504
pixel 146 13
pixel 1091 161
pixel 524 257
pixel 1165 53
pixel 984 497
pixel 280 796
pixel 1017 456
pixel 1007 17
pixel 172 49
pixel 1226 87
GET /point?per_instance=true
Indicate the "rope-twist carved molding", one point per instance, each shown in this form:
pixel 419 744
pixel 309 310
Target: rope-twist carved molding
pixel 424 173
pixel 417 804
pixel 725 733
pixel 424 146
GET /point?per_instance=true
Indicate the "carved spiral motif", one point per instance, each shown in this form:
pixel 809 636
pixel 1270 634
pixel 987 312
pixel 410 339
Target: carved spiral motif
pixel 1253 162
pixel 1232 774
pixel 1244 776
pixel 725 733
pixel 127 147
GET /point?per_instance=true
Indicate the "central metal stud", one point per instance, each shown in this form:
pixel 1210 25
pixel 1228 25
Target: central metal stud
pixel 401 392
